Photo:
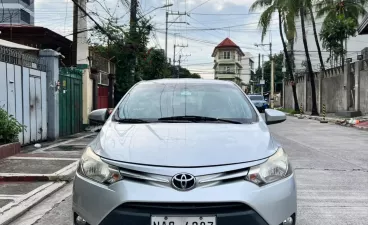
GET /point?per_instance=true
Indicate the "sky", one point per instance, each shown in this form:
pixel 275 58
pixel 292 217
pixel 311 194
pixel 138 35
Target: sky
pixel 208 23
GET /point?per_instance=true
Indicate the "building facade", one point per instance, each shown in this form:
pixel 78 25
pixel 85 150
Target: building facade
pixel 227 61
pixel 248 69
pixel 17 12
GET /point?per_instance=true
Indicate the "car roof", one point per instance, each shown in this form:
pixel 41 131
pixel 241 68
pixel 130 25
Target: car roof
pixel 188 80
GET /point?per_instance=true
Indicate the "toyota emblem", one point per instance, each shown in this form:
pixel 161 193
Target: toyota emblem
pixel 183 181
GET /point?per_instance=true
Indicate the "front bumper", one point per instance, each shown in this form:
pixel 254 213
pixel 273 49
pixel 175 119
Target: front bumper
pixel 233 203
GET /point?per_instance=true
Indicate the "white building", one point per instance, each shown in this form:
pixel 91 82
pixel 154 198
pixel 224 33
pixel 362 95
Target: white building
pixel 354 47
pixel 231 63
pixel 248 68
pixel 17 12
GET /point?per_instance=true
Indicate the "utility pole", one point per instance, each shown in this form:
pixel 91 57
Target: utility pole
pixel 272 78
pixel 171 22
pixel 180 56
pixel 272 74
pixel 262 75
pixel 133 25
pixel 175 46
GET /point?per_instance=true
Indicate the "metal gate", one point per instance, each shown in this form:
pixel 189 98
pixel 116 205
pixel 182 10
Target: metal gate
pixel 23 92
pixel 103 97
pixel 70 101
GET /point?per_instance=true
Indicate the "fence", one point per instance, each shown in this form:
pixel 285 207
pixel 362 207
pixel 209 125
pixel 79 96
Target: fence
pixel 23 92
pixel 337 89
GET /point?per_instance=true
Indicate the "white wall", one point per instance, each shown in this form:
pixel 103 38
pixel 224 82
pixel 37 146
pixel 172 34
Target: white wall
pixel 355 45
pixel 246 72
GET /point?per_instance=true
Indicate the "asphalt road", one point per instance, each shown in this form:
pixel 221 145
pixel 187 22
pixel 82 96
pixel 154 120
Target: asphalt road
pixel 331 164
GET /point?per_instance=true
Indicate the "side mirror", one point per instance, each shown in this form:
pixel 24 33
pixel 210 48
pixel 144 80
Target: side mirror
pixel 273 116
pixel 99 116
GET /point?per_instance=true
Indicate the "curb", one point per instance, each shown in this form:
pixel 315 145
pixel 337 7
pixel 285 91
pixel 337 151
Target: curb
pixel 336 121
pixel 9 150
pixel 24 205
pixel 66 174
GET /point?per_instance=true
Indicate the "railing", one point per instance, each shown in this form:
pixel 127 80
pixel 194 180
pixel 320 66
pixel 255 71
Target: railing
pixel 225 71
pixel 12 56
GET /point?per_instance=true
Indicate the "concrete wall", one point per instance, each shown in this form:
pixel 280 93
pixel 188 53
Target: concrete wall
pixel 333 90
pixel 288 98
pixel 364 90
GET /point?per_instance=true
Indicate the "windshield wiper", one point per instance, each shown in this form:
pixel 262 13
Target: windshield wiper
pixel 131 120
pixel 197 119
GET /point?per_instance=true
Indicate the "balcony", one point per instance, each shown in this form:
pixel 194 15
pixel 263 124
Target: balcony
pixel 231 71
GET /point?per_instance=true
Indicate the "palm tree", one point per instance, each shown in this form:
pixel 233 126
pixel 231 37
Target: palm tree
pixel 278 6
pixel 350 9
pixel 309 64
pixel 310 9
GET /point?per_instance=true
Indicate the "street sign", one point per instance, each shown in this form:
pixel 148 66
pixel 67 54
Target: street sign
pixel 262 82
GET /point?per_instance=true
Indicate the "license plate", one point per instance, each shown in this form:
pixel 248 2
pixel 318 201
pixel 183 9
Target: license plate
pixel 181 220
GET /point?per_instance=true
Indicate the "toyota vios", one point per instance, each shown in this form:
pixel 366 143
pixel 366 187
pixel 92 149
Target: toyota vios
pixel 184 152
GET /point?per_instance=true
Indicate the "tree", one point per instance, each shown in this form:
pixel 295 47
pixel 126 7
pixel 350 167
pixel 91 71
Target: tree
pixel 339 14
pixel 279 75
pixel 309 64
pixel 333 34
pixel 310 9
pixel 286 21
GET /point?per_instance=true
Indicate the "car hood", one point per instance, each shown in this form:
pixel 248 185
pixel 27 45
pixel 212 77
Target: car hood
pixel 184 144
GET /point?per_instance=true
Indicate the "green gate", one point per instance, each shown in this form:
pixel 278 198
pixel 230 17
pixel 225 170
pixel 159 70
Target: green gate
pixel 70 101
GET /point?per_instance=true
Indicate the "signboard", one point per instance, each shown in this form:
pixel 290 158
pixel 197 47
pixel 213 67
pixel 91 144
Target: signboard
pixel 262 82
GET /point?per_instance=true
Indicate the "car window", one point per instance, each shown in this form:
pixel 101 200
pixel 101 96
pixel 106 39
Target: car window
pixel 256 97
pixel 158 100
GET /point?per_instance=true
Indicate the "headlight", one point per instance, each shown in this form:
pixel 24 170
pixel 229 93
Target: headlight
pixel 277 167
pixel 91 166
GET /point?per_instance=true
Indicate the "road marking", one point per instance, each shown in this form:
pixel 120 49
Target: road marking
pixel 67 168
pixel 40 210
pixel 59 172
pixel 43 158
pixel 23 206
pixel 10 196
pixel 61 143
pixel 24 197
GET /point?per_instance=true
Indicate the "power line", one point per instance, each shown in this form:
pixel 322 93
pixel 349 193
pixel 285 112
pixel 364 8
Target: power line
pixel 198 6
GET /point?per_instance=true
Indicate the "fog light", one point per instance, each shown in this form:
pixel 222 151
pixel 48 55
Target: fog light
pixel 80 221
pixel 288 221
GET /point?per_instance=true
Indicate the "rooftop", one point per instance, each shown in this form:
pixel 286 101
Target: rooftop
pixel 227 43
pixel 15 45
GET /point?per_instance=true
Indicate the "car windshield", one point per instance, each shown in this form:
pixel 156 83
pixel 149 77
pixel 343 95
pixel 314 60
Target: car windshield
pixel 158 101
pixel 256 97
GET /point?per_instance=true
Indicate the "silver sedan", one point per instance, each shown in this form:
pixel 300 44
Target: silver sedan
pixel 185 152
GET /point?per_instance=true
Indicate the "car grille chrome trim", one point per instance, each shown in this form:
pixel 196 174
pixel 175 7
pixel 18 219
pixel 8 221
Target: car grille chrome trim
pixel 223 176
pixel 200 180
pixel 146 177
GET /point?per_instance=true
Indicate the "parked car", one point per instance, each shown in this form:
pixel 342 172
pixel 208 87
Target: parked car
pixel 185 152
pixel 259 101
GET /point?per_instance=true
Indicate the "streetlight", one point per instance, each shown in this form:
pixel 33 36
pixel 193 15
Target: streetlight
pixel 160 7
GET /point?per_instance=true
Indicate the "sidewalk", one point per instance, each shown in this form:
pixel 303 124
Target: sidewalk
pixel 347 122
pixel 34 174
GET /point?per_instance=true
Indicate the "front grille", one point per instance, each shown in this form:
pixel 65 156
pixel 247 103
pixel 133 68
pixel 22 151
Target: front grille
pixel 186 208
pixel 139 213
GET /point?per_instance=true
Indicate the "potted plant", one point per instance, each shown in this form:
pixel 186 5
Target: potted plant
pixel 9 131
